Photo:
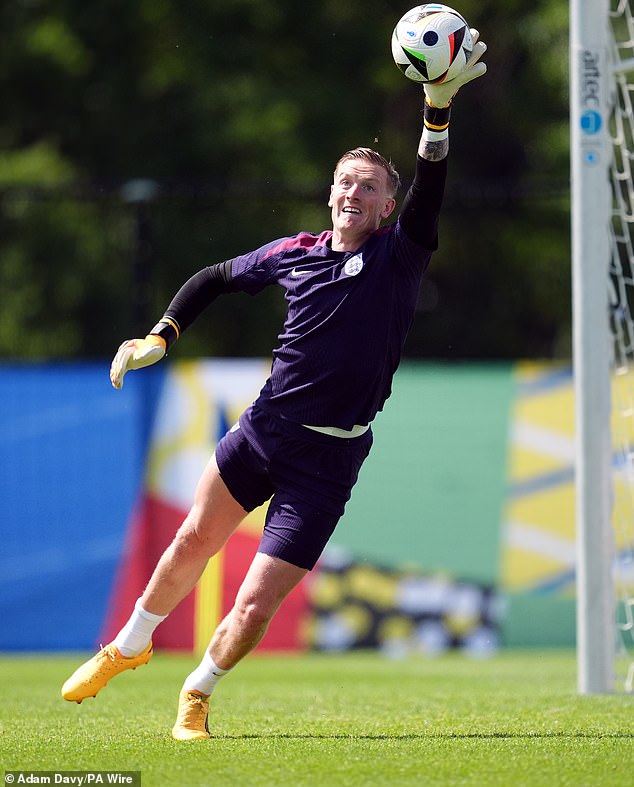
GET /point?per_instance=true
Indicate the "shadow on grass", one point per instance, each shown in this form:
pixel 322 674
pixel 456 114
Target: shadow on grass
pixel 407 736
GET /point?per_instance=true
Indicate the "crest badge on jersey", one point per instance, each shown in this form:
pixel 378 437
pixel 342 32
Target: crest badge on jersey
pixel 353 265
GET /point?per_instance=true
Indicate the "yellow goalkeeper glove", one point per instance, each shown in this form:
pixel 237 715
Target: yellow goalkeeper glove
pixel 135 354
pixel 440 95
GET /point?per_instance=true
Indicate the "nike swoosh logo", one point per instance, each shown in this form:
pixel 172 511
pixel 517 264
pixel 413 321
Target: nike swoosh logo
pixel 295 273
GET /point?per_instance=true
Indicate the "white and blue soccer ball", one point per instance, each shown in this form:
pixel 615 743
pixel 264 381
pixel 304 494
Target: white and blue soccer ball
pixel 431 43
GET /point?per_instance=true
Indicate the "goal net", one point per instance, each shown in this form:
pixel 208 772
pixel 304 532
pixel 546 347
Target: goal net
pixel 621 322
pixel 602 152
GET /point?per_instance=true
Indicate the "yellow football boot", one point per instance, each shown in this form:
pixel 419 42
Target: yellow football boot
pixel 93 675
pixel 191 722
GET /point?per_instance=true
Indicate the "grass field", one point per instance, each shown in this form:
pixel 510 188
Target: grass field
pixel 360 719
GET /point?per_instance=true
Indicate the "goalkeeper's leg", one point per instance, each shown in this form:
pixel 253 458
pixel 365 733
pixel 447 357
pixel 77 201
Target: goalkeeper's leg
pixel 213 517
pixel 267 583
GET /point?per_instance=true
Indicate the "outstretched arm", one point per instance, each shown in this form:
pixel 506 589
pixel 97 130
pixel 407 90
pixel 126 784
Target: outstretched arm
pixel 434 142
pixel 421 206
pixel 197 293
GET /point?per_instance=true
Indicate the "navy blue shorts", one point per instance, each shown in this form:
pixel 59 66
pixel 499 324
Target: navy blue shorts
pixel 308 476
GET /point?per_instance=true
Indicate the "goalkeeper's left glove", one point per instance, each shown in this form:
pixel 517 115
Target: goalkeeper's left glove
pixel 440 95
pixel 135 354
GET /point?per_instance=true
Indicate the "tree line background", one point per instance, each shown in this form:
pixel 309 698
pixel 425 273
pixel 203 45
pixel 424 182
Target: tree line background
pixel 141 140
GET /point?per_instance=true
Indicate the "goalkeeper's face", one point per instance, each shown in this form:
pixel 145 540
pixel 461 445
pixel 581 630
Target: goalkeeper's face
pixel 360 199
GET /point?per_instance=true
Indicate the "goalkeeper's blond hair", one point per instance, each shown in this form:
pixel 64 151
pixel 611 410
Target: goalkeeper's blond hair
pixel 367 154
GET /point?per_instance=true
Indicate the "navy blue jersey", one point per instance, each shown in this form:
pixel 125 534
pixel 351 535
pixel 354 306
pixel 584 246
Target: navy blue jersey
pixel 348 312
pixel 348 316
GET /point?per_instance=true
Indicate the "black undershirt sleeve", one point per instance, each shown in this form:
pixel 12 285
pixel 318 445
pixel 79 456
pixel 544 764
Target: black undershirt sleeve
pixel 421 207
pixel 198 292
pixel 194 296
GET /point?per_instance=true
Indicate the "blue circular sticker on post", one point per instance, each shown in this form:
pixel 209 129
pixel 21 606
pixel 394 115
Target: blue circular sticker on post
pixel 590 122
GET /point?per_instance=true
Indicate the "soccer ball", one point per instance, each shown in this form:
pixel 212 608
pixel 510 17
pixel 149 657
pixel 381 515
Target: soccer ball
pixel 431 43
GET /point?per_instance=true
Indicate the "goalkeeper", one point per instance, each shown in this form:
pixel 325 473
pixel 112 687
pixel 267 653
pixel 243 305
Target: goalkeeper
pixel 351 294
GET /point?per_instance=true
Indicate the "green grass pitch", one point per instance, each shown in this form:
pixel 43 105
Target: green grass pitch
pixel 358 719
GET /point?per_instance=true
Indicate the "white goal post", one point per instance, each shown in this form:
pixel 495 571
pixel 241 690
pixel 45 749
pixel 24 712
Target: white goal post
pixel 602 219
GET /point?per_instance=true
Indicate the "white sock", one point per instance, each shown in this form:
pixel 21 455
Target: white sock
pixel 135 636
pixel 205 677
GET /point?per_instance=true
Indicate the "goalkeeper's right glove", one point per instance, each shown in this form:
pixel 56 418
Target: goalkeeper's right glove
pixel 440 95
pixel 135 354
